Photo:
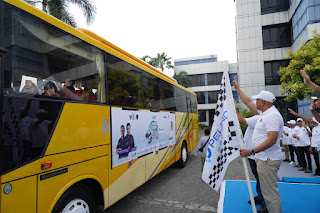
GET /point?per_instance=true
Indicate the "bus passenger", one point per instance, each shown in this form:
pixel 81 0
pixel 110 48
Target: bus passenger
pixel 81 93
pixel 40 133
pixel 30 88
pixel 50 89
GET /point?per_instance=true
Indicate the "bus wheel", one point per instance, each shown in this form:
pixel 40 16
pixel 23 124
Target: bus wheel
pixel 184 156
pixel 76 199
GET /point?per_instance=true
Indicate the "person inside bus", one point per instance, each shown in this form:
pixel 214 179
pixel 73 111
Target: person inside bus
pixel 75 92
pixel 30 88
pixel 50 89
pixel 67 90
pixel 40 133
pixel 129 138
pixel 80 92
pixel 24 129
pixel 122 144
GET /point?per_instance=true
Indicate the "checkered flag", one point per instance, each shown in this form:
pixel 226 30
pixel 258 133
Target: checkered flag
pixel 224 143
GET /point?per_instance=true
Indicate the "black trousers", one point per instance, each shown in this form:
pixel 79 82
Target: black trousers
pixel 253 166
pixel 316 160
pixel 296 150
pixel 291 150
pixel 305 151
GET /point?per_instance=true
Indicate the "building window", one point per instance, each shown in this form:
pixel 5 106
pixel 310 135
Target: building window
pixel 231 77
pixel 273 6
pixel 199 61
pixel 197 80
pixel 277 36
pixel 306 13
pixel 202 116
pixel 214 78
pixel 235 96
pixel 213 97
pixel 201 97
pixel 271 71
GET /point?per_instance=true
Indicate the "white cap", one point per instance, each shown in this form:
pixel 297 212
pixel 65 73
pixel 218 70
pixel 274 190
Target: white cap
pixel 314 98
pixel 293 122
pixel 299 119
pixel 265 95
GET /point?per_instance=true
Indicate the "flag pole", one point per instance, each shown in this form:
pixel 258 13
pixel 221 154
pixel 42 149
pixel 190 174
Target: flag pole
pixel 244 161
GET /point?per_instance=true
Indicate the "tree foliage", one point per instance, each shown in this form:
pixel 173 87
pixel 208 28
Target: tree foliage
pixel 59 9
pixel 183 79
pixel 160 61
pixel 306 58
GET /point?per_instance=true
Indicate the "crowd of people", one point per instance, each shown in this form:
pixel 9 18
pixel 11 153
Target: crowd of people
pixel 262 144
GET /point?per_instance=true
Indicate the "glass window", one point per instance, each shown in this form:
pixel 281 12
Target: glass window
pixel 197 80
pixel 213 96
pixel 202 116
pixel 43 60
pixel 201 97
pixel 214 78
pixel 44 67
pixel 277 36
pixel 235 96
pixel 231 77
pixel 271 71
pixel 151 91
pixel 273 6
pixel 167 97
pixel 194 103
pixel 124 83
pixel 180 99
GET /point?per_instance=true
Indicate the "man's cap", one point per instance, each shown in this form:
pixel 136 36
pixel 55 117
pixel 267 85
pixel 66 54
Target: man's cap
pixel 314 98
pixel 299 119
pixel 265 95
pixel 293 122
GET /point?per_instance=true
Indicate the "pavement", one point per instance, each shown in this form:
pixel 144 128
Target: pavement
pixel 287 170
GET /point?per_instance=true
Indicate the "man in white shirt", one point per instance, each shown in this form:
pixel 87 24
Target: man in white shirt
pixel 302 132
pixel 292 124
pixel 285 142
pixel 267 150
pixel 315 142
pixel 248 143
pixel 203 143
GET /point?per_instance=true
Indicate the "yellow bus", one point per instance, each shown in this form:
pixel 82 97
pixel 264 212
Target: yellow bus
pixel 84 123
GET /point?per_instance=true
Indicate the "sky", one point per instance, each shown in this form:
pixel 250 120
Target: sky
pixel 180 28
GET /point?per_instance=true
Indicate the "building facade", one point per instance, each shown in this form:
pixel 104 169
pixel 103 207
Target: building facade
pixel 205 73
pixel 266 30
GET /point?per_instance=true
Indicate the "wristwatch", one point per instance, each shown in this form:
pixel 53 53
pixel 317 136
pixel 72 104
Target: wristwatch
pixel 253 152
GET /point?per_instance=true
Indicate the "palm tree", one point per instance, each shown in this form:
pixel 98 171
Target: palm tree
pixel 146 58
pixel 183 79
pixel 58 9
pixel 161 61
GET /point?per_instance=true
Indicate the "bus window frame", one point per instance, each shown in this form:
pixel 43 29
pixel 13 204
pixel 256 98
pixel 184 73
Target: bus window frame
pixel 2 52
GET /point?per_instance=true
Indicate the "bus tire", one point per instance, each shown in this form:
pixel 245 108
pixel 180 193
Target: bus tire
pixel 78 198
pixel 182 162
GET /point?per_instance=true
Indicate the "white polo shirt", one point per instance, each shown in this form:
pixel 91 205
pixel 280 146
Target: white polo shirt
pixel 270 121
pixel 248 134
pixel 290 138
pixel 304 136
pixel 285 138
pixel 315 139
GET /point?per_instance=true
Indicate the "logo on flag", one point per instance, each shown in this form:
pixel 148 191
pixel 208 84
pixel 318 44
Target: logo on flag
pixel 224 143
